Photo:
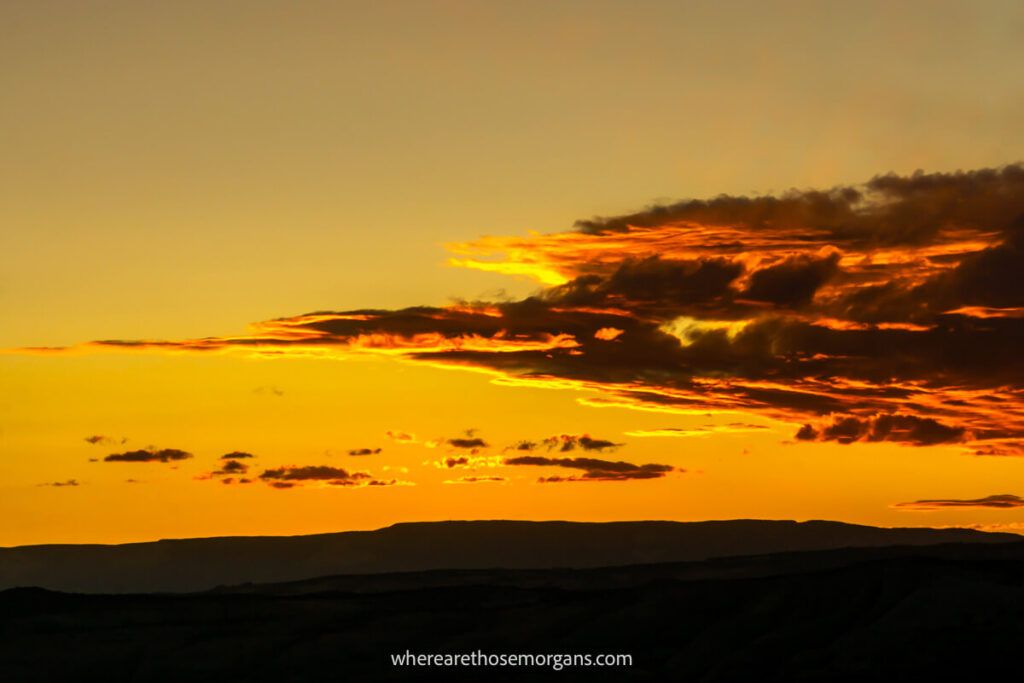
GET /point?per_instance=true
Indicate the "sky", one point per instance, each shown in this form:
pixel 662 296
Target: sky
pixel 538 260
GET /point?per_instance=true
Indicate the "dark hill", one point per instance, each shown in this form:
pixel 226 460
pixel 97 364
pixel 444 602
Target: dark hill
pixel 198 564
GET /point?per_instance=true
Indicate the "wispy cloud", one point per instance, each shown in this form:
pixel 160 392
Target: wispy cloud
pixel 1001 501
pixel 593 469
pixel 699 431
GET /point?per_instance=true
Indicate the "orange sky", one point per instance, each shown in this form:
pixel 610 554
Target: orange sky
pixel 179 172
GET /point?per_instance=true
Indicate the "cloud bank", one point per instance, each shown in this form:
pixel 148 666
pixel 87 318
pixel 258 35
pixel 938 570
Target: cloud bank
pixel 891 311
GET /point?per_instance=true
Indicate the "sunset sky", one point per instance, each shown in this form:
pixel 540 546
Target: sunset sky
pixel 297 267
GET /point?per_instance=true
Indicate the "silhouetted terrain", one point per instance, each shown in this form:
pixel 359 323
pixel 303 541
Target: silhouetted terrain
pixel 198 564
pixel 952 612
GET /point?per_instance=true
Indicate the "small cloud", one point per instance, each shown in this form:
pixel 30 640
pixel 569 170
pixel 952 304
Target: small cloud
pixel 565 443
pixel 468 461
pixel 401 437
pixel 476 480
pixel 365 451
pixel 237 455
pixel 60 484
pixel 269 389
pixel 149 455
pixel 468 443
pixel 1000 501
pixel 102 440
pixel 233 467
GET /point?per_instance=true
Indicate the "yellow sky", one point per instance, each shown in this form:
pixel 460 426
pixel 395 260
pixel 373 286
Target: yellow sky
pixel 174 170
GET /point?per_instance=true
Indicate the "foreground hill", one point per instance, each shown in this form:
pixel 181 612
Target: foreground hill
pixel 198 564
pixel 936 613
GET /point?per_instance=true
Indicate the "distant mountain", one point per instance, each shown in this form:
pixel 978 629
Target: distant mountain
pixel 202 563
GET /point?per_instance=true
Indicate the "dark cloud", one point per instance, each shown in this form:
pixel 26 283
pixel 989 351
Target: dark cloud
pixel 652 283
pixel 100 439
pixel 149 455
pixel 467 443
pixel 288 477
pixel 909 429
pixel 461 461
pixel 365 451
pixel 594 469
pixel 237 455
pixel 793 282
pixel 887 210
pixel 232 467
pixel 1000 448
pixel 1000 501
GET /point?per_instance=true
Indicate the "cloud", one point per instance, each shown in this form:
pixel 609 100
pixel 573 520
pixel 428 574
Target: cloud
pixel 467 443
pixel 794 281
pixel 909 429
pixel 294 475
pixel 232 467
pixel 365 451
pixel 594 469
pixel 269 389
pixel 476 480
pixel 699 431
pixel 1001 501
pixel 468 461
pixel 237 455
pixel 103 440
pixel 401 437
pixel 149 455
pixel 1000 448
pixel 60 484
pixel 896 306
pixel 565 443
